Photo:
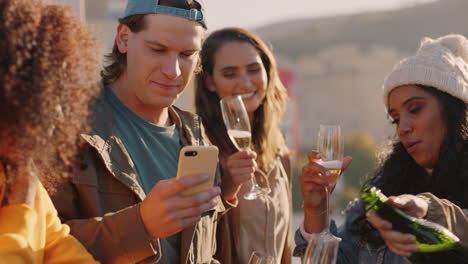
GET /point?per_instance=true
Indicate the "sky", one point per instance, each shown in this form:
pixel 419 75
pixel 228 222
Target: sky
pixel 255 13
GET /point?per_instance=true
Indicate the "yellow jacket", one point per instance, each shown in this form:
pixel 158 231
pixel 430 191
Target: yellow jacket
pixel 36 235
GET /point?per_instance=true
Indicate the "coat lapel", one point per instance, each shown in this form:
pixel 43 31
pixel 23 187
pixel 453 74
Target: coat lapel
pixel 110 148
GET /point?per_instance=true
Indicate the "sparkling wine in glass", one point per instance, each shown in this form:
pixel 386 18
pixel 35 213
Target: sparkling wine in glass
pixel 241 139
pixel 330 146
pixel 238 128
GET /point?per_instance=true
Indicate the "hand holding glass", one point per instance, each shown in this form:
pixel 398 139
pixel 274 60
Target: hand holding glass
pixel 238 128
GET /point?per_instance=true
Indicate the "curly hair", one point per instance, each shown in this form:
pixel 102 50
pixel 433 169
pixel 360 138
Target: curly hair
pixel 267 138
pixel 48 77
pixel 400 174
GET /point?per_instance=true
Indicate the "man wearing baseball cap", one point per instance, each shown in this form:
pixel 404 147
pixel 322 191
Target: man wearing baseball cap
pixel 125 206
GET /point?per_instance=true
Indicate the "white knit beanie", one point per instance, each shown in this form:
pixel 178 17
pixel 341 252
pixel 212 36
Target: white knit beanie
pixel 440 63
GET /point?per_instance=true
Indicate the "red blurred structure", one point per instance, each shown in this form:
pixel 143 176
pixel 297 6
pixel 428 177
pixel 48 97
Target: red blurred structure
pixel 290 121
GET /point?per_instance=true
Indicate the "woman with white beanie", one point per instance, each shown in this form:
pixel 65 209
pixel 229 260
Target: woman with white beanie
pixel 426 172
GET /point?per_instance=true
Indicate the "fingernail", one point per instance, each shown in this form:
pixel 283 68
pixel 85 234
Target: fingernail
pixel 328 173
pixel 204 177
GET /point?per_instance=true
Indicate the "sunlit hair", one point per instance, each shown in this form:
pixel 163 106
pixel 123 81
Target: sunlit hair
pixel 400 174
pixel 48 63
pixel 116 62
pixel 267 139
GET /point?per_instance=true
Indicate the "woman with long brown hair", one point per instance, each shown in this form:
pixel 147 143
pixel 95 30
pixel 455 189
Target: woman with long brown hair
pixel 237 62
pixel 47 78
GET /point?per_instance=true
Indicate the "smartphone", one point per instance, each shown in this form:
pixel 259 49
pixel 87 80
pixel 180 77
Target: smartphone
pixel 198 160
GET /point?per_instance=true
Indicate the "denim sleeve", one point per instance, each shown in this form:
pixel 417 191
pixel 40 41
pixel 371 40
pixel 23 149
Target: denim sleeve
pixel 301 242
pixel 348 251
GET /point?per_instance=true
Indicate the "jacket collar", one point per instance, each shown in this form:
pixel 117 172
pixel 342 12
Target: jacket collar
pixel 112 150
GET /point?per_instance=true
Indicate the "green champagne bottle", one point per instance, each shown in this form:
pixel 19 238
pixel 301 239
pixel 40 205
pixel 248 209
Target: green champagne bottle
pixel 430 237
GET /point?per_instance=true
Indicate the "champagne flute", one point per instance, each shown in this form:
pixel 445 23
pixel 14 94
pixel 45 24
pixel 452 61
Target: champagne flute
pixel 270 260
pixel 255 258
pixel 330 146
pixel 238 128
pixel 323 247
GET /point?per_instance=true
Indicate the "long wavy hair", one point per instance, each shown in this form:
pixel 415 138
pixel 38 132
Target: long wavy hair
pixel 48 74
pixel 267 139
pixel 400 174
pixel 116 62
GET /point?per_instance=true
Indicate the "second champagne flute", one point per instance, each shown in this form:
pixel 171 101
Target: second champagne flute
pixel 330 146
pixel 256 258
pixel 238 128
pixel 323 247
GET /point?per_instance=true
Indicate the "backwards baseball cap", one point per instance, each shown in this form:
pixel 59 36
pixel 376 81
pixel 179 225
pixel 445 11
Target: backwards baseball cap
pixel 141 7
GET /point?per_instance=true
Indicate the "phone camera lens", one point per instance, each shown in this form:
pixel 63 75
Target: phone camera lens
pixel 190 153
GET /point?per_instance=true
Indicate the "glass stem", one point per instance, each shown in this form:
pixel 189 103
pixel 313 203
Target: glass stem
pixel 327 211
pixel 254 184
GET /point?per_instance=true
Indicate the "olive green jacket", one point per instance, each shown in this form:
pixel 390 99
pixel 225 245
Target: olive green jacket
pixel 101 203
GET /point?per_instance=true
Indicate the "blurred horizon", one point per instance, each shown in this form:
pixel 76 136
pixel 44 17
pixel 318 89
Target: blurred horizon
pixel 261 13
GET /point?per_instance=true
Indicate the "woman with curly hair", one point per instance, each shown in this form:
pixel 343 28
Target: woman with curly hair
pixel 47 75
pixel 426 172
pixel 237 62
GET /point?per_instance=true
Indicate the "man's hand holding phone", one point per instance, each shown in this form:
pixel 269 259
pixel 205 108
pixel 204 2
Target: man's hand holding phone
pixel 165 211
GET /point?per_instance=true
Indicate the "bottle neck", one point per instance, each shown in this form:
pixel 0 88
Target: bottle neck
pixel 373 198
